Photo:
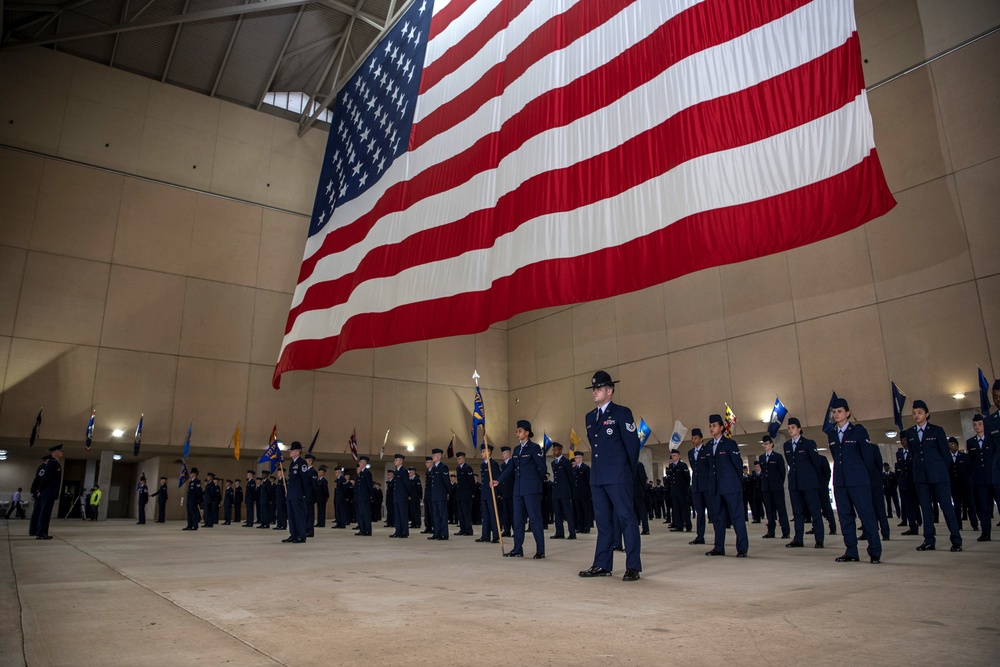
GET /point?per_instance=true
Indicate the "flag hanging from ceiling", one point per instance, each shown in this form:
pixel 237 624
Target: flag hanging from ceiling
pixel 487 156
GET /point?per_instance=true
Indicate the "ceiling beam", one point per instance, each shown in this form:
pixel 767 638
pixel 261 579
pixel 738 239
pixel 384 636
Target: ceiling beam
pixel 229 50
pixel 364 17
pixel 281 56
pixel 173 44
pixel 179 19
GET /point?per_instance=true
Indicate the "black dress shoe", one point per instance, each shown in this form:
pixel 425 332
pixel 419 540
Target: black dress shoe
pixel 595 571
pixel 505 533
pixel 983 538
pixel 621 549
pixel 538 556
pixel 288 539
pixel 697 541
pixel 187 528
pixel 909 532
pixel 433 538
pixel 794 545
pixel 43 537
pixel 833 531
pixel 818 545
pixel 809 532
pixel 511 554
pixel 863 537
pixel 741 554
pixel 558 537
pixel 713 552
pixel 955 548
pixel 846 559
pixel 926 547
pixel 571 537
pixel 631 575
pixel 767 536
pixel 495 541
pixel 645 532
pixel 901 524
pixel 302 541
pixel 479 539
pixel 876 560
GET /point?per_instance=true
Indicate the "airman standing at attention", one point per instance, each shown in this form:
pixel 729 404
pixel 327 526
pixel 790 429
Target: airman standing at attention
pixel 528 470
pixel 701 483
pixel 614 446
pixel 489 469
pixel 726 490
pixel 804 473
pixel 850 446
pixel 772 486
pixel 929 446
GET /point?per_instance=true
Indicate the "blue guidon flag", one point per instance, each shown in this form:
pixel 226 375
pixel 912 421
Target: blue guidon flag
pixel 487 154
pixel 778 414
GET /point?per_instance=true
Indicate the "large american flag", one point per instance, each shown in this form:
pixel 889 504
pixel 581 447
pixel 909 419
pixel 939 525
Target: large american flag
pixel 492 157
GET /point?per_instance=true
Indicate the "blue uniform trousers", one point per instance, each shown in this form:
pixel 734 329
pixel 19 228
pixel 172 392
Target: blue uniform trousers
pixel 530 504
pixel 940 493
pixel 192 516
pixel 682 515
pixel 615 502
pixel 774 507
pixel 401 513
pixel 490 530
pixel 364 511
pixel 702 503
pixel 296 518
pixel 563 508
pixel 728 508
pixel 984 508
pixel 851 501
pixel 806 503
pixel 440 519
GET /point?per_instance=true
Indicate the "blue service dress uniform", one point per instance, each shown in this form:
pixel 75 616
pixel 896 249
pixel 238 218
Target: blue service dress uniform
pixel 363 497
pixel 440 485
pixel 401 501
pixel 982 453
pixel 143 501
pixel 805 470
pixel 195 495
pixel 909 505
pixel 583 503
pixel 48 493
pixel 250 499
pixel 700 459
pixel 295 499
pixel 36 498
pixel 229 497
pixel 161 503
pixel 878 499
pixel 614 446
pixel 680 489
pixel 727 494
pixel 490 531
pixel 931 455
pixel 428 504
pixel 528 470
pixel 772 486
pixel 563 481
pixel 463 497
pixel 960 477
pixel 852 488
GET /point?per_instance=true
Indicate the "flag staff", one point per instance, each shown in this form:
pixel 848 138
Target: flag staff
pixel 652 433
pixel 493 489
pixel 384 441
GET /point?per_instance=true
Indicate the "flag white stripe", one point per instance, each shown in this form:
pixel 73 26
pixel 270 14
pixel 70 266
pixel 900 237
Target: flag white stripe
pixel 460 27
pixel 578 59
pixel 800 157
pixel 721 69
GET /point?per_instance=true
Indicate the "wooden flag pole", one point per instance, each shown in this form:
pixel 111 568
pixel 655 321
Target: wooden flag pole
pixel 493 491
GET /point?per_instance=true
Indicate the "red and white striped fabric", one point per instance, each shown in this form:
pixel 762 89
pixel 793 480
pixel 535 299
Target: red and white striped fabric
pixel 563 151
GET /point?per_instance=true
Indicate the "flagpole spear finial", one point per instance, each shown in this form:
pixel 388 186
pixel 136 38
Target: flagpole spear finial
pixel 475 376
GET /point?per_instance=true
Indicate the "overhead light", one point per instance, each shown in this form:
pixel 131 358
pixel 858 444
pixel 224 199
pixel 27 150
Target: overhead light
pixel 117 457
pixel 740 444
pixel 3 452
pixel 3 457
pixel 117 433
pixel 281 445
pixel 821 449
pixel 959 396
pixel 409 448
pixel 891 434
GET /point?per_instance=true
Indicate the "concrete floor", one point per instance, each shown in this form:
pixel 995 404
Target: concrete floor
pixel 116 593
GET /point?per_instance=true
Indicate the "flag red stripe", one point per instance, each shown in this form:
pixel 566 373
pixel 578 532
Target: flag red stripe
pixel 471 43
pixel 769 108
pixel 448 13
pixel 554 35
pixel 675 40
pixel 555 108
pixel 712 238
